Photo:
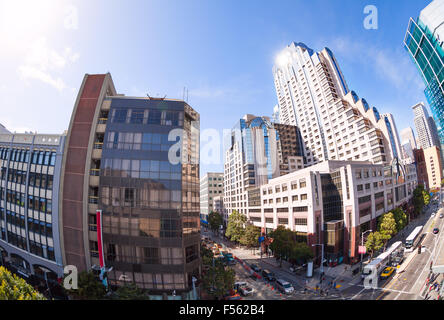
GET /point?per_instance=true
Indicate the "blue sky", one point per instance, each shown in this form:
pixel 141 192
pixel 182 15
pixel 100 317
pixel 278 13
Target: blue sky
pixel 222 51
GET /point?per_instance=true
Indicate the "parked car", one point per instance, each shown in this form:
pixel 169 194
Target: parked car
pixel 387 272
pixel 243 288
pixel 268 275
pixel 255 268
pixel 435 231
pixel 284 286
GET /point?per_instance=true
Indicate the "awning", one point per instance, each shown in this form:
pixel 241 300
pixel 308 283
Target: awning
pixel 203 221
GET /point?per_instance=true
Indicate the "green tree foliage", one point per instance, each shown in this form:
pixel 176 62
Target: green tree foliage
pixel 374 242
pixel 130 292
pixel 90 287
pixel 426 197
pixel 215 220
pixel 285 246
pixel 218 280
pixel 15 288
pixel 418 199
pixel 401 218
pixel 250 238
pixel 387 225
pixel 235 227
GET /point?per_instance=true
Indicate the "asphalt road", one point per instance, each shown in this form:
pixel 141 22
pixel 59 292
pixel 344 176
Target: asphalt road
pixel 410 284
pixel 407 285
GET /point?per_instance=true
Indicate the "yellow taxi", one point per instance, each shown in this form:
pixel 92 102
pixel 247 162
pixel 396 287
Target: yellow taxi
pixel 387 272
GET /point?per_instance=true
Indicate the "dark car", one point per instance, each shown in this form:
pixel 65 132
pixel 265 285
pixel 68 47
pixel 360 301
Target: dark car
pixel 435 231
pixel 255 268
pixel 268 275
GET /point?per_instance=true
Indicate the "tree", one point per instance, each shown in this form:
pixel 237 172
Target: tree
pixel 15 288
pixel 418 199
pixel 250 238
pixel 215 220
pixel 218 280
pixel 286 246
pixel 235 227
pixel 401 218
pixel 426 197
pixel 387 226
pixel 374 242
pixel 130 292
pixel 90 287
pixel 300 252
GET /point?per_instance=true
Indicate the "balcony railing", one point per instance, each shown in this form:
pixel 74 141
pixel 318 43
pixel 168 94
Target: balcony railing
pixel 98 145
pixel 94 172
pixel 93 199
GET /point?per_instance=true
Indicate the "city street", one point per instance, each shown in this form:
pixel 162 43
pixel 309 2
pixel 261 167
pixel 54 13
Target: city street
pixel 408 284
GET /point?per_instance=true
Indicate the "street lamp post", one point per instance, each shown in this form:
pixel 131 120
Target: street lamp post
pixel 362 244
pixel 321 269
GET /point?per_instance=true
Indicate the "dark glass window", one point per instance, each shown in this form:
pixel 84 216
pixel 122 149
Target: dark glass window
pixel 137 116
pixel 154 117
pixel 120 115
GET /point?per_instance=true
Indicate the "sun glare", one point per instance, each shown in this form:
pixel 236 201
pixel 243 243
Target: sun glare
pixel 22 21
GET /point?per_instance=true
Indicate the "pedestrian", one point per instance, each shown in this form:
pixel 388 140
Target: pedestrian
pixel 326 292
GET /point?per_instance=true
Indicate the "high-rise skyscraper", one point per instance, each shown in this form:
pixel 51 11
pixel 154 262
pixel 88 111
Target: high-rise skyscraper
pixel 408 144
pixel 424 43
pixel 256 151
pixel 334 123
pixel 407 135
pixel 424 127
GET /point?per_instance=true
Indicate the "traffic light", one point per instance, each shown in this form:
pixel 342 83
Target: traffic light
pixel 419 249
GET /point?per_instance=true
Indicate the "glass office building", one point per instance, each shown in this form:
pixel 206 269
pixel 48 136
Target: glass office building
pixel 423 42
pixel 150 202
pixel 135 160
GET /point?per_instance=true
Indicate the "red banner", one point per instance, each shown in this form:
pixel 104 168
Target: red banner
pixel 99 237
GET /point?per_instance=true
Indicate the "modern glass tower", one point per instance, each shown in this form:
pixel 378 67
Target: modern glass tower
pixel 424 43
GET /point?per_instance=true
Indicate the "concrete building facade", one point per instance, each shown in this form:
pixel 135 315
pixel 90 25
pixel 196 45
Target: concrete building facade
pixel 211 186
pixel 333 202
pixel 432 157
pixel 30 217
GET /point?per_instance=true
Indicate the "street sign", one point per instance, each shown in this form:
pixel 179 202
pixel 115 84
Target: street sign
pixel 362 250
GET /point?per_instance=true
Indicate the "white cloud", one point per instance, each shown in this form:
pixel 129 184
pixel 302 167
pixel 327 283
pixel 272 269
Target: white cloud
pixel 29 72
pixel 41 62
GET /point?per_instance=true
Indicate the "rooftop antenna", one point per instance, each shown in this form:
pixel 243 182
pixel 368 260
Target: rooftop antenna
pixel 148 95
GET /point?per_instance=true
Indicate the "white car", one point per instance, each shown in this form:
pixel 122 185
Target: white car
pixel 284 286
pixel 246 290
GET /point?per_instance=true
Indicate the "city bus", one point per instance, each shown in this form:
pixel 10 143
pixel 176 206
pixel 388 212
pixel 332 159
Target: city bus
pixel 376 265
pixel 396 253
pixel 411 240
pixel 393 256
